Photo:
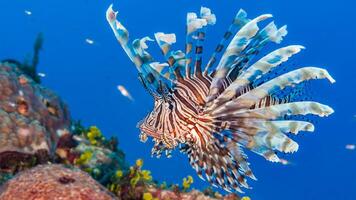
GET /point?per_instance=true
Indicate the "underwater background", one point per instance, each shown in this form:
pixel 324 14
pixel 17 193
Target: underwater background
pixel 86 74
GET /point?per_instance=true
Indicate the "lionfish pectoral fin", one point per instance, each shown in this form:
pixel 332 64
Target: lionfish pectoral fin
pixel 262 130
pixel 247 42
pixel 255 72
pixel 233 51
pixel 259 130
pixel 290 79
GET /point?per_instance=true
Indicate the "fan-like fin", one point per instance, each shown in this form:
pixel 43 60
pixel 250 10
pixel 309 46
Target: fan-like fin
pixel 241 62
pixel 239 21
pixel 162 68
pixel 175 59
pixel 195 26
pixel 276 111
pixel 136 51
pixel 252 126
pixel 240 41
pixel 267 34
pixel 205 13
pixel 279 83
pixel 254 72
pixel 263 137
pixel 122 35
pixel 165 41
pixel 276 140
pixel 222 163
pixel 290 126
pixel 272 135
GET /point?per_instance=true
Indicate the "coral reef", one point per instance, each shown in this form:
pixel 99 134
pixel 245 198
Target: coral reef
pixel 32 119
pixel 54 182
pixel 90 151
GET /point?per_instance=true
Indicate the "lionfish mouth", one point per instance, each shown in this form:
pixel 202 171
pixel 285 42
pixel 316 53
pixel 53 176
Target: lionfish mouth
pixel 148 132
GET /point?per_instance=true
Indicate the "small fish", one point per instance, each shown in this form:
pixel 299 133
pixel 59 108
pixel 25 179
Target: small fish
pixel 350 147
pixel 41 75
pixel 89 41
pixel 124 92
pixel 284 161
pixel 27 12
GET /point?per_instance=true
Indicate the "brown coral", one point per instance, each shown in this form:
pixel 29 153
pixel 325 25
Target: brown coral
pixel 53 182
pixel 32 119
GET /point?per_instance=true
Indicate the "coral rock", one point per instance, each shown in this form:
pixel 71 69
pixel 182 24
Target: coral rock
pixel 32 119
pixel 53 182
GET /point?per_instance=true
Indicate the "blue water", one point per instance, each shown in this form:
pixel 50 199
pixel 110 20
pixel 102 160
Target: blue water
pixel 86 76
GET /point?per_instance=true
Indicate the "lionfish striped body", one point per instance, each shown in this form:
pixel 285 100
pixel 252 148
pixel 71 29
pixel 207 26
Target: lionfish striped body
pixel 214 112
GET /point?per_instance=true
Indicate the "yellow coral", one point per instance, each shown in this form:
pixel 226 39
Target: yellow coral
pixel 146 175
pixel 245 198
pixel 190 179
pixel 187 182
pixel 94 134
pixel 84 158
pixel 135 180
pixel 119 173
pixel 139 163
pixel 147 196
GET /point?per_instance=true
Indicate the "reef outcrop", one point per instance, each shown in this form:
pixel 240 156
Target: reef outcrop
pixel 54 182
pixel 32 119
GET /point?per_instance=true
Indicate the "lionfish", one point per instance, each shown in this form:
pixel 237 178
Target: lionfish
pixel 213 112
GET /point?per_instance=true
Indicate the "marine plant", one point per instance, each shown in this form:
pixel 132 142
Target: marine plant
pixel 215 110
pixel 29 66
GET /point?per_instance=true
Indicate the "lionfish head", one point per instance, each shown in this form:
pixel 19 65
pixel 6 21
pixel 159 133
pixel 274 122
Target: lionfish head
pixel 152 124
